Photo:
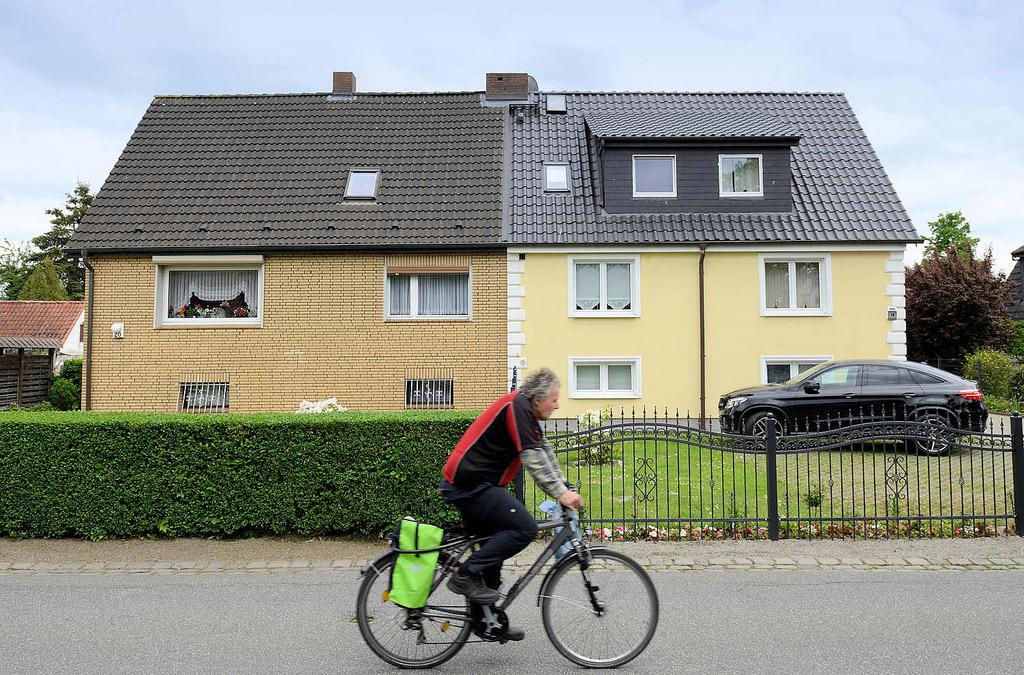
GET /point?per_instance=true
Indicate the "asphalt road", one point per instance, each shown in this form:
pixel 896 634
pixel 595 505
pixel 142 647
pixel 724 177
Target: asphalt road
pixel 865 621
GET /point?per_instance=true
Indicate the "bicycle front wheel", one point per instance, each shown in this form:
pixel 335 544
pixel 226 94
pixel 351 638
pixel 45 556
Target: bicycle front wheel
pixel 603 616
pixel 418 639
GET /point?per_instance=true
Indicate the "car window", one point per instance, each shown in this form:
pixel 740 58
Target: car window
pixel 925 378
pixel 880 376
pixel 843 377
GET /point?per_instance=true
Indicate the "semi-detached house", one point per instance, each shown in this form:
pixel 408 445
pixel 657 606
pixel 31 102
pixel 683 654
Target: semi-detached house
pixel 250 252
pixel 665 248
pixel 399 250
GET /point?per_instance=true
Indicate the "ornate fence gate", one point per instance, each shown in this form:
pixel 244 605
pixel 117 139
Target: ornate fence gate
pixel 662 477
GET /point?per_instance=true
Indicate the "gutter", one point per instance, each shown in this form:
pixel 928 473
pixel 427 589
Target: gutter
pixel 87 369
pixel 703 349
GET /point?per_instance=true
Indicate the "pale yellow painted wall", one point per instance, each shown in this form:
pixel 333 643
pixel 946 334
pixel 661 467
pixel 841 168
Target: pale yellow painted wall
pixel 323 335
pixel 666 335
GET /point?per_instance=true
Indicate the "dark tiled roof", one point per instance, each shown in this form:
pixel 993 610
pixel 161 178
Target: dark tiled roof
pixel 37 323
pixel 695 122
pixel 269 171
pixel 1019 252
pixel 840 191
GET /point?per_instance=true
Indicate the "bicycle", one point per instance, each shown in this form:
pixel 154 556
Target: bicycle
pixel 602 618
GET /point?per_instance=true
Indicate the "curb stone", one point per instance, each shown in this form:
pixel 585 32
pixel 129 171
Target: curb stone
pixel 519 564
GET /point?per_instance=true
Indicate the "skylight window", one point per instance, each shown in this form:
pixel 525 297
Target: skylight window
pixel 362 184
pixel 556 103
pixel 556 177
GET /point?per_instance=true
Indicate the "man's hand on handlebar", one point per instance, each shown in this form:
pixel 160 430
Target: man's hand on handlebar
pixel 571 499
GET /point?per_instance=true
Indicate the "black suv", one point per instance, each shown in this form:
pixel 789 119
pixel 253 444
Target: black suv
pixel 839 393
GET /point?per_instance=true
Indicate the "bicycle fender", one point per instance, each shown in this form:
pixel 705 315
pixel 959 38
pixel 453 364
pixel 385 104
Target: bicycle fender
pixel 569 559
pixel 378 562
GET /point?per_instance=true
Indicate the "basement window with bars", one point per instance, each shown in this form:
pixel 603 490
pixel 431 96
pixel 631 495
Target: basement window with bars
pixel 430 388
pixel 201 396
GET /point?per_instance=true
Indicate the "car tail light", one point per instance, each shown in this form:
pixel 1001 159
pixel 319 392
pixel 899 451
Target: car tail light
pixel 972 394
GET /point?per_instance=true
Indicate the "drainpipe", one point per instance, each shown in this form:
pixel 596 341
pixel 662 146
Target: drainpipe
pixel 87 369
pixel 703 351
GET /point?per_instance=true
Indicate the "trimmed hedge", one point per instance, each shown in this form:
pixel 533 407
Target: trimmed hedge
pixel 100 475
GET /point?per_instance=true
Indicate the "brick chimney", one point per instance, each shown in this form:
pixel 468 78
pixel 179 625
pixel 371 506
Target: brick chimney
pixel 507 87
pixel 344 84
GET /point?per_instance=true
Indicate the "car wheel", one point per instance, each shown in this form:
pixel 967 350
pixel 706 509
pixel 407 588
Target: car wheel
pixel 935 437
pixel 757 425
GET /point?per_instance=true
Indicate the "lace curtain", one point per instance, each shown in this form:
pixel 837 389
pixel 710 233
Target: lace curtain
pixel 213 285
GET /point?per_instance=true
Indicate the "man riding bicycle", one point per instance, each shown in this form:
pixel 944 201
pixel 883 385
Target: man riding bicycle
pixel 480 467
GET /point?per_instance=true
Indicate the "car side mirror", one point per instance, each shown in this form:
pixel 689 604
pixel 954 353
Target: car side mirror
pixel 811 387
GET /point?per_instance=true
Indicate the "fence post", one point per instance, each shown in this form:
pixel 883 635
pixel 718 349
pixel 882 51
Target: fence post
pixel 773 479
pixel 1017 447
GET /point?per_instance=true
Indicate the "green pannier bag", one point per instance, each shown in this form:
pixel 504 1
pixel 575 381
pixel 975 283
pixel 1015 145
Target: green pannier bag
pixel 413 573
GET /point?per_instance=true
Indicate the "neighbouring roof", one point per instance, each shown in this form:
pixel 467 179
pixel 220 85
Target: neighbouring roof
pixel 1018 253
pixel 841 193
pixel 37 324
pixel 269 172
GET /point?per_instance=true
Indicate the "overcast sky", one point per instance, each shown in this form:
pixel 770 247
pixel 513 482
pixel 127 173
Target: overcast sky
pixel 936 85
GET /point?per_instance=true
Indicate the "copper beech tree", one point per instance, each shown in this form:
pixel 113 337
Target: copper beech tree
pixel 956 303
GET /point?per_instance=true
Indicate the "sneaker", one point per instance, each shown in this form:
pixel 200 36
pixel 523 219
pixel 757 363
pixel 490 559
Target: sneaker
pixel 513 634
pixel 473 587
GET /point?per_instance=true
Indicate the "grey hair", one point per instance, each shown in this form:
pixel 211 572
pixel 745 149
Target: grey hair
pixel 538 383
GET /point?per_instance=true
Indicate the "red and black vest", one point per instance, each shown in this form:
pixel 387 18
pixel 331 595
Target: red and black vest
pixel 488 453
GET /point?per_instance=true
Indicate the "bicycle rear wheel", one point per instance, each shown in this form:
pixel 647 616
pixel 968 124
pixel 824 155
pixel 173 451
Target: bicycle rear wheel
pixel 443 629
pixel 624 626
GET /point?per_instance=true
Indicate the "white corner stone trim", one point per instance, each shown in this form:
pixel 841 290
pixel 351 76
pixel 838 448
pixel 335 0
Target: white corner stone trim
pixel 896 293
pixel 516 316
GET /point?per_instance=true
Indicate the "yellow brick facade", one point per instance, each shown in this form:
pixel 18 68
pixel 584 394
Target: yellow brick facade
pixel 323 335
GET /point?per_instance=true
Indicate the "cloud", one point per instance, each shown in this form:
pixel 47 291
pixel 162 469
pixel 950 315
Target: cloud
pixel 23 217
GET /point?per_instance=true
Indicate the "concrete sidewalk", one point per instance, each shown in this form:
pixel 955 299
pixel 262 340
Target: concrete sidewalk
pixel 295 554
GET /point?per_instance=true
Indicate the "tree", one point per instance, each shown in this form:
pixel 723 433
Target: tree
pixel 14 269
pixel 955 304
pixel 53 243
pixel 950 230
pixel 43 284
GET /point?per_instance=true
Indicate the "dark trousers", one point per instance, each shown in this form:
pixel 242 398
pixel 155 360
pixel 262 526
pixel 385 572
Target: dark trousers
pixel 495 512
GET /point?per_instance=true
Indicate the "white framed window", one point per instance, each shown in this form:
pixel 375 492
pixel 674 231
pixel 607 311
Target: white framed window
pixel 604 377
pixel 795 284
pixel 740 176
pixel 209 291
pixel 362 184
pixel 427 293
pixel 604 286
pixel 556 177
pixel 778 369
pixel 654 175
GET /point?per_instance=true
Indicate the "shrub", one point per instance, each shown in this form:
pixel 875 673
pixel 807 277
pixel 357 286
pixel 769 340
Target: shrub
pixel 64 395
pixel 72 370
pixel 992 369
pixel 598 440
pixel 99 475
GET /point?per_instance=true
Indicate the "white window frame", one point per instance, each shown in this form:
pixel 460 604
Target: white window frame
pixel 414 299
pixel 604 362
pixel 824 261
pixel 603 260
pixel 164 264
pixel 791 361
pixel 348 184
pixel 661 195
pixel 760 176
pixel 568 178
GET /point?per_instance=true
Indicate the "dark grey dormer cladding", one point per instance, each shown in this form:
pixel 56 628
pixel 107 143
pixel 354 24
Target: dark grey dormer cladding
pixel 697 179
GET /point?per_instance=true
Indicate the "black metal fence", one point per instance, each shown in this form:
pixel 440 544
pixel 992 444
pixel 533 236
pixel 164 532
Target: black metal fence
pixel 661 477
